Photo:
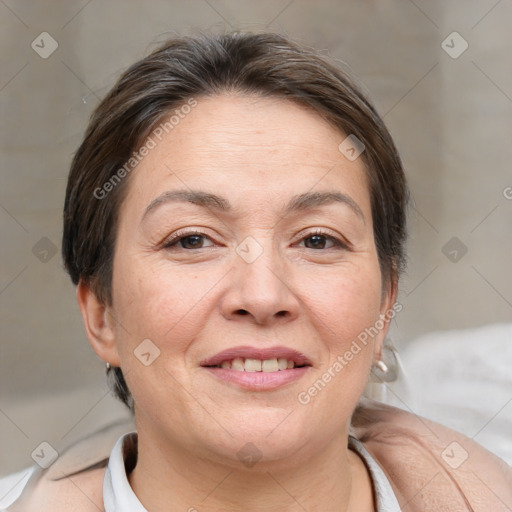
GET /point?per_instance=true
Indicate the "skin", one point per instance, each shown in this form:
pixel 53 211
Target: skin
pixel 305 293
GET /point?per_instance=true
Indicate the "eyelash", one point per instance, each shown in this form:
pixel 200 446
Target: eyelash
pixel 181 235
pixel 338 244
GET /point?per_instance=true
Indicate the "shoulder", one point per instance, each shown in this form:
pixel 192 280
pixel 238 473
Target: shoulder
pixel 78 493
pixel 432 467
pixel 74 482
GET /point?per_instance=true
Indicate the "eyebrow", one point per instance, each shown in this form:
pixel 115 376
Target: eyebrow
pixel 302 202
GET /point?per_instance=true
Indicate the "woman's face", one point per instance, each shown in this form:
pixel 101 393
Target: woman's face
pixel 246 230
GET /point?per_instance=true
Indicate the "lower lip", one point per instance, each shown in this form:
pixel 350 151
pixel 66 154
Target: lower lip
pixel 258 381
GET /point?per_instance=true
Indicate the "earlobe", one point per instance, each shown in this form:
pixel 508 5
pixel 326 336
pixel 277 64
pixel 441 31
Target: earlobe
pixel 98 324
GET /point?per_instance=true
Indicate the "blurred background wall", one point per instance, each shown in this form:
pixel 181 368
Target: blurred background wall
pixel 438 71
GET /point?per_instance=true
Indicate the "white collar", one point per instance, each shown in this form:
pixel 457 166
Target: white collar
pixel 118 496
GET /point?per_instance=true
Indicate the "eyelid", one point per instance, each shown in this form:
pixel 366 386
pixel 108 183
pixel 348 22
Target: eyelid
pixel 338 240
pixel 180 234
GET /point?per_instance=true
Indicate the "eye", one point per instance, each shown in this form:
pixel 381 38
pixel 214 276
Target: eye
pixel 321 240
pixel 190 240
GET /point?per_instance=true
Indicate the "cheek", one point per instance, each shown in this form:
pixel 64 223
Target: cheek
pixel 159 304
pixel 345 302
pixel 343 305
pixel 154 304
pixel 343 311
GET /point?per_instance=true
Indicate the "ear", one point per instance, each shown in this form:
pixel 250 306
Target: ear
pixel 99 324
pixel 388 311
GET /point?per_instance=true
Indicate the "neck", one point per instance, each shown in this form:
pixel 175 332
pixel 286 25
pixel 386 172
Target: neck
pixel 332 479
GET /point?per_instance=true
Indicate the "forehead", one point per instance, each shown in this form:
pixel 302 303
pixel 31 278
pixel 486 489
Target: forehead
pixel 251 148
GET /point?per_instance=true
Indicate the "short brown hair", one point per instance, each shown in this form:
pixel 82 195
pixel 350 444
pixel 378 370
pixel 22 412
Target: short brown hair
pixel 192 67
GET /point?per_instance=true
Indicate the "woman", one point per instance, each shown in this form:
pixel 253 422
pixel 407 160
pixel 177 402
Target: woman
pixel 234 223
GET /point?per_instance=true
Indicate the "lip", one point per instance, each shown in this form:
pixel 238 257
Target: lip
pixel 248 352
pixel 257 381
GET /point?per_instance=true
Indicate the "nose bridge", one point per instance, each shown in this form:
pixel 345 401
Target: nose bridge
pixel 259 264
pixel 259 285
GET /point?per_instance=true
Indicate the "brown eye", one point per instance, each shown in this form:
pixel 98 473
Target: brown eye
pixel 191 242
pixel 320 241
pixel 188 241
pixel 316 242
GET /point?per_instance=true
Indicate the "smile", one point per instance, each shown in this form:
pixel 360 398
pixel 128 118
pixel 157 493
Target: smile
pixel 258 365
pixel 257 369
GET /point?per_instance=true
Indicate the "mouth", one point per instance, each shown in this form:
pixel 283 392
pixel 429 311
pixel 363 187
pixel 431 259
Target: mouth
pixel 252 359
pixel 258 369
pixel 258 365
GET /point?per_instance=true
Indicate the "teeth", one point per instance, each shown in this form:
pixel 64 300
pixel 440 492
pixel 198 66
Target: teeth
pixel 257 365
pixel 252 365
pixel 238 365
pixel 269 365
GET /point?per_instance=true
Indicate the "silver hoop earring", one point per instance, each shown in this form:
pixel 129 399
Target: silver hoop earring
pixel 381 365
pixel 108 366
pixel 387 368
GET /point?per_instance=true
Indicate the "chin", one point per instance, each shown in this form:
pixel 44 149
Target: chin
pixel 266 437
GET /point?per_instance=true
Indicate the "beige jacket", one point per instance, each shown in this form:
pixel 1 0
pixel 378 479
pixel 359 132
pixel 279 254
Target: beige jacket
pixel 430 467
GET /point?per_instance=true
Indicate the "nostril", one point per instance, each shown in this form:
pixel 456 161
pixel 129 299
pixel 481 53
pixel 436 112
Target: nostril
pixel 281 313
pixel 242 312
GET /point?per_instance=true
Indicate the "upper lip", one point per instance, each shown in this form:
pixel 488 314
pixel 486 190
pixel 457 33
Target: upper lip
pixel 248 352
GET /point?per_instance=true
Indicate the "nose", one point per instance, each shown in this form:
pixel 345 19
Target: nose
pixel 260 291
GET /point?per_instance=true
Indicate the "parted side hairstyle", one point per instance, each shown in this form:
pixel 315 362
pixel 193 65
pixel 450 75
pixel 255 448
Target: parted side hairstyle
pixel 180 72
